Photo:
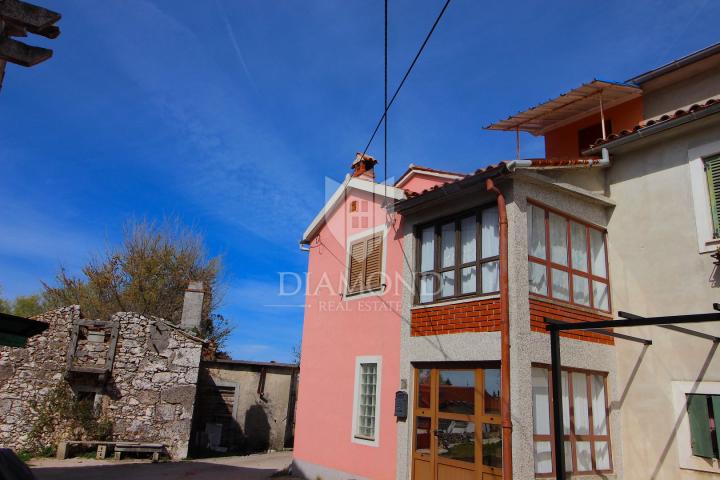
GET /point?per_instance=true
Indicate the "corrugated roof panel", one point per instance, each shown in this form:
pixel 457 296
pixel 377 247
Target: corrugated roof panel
pixel 583 99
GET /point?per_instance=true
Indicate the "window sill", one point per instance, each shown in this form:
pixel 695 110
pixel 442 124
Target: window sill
pixel 560 303
pixel 375 292
pixel 710 245
pixel 442 303
pixel 366 441
pixel 700 464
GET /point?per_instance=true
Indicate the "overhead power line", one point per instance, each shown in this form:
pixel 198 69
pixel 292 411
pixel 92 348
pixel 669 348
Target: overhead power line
pixel 385 101
pixel 407 73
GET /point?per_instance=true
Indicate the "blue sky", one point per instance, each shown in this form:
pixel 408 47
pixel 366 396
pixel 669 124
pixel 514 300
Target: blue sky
pixel 229 114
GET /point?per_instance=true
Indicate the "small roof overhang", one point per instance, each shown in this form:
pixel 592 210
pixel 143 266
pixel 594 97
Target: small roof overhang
pixel 568 107
pixel 14 330
pixel 443 191
pixel 431 172
pixel 350 182
pixel 251 363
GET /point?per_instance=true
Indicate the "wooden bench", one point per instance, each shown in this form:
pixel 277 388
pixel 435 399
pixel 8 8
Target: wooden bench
pixel 135 447
pixel 156 449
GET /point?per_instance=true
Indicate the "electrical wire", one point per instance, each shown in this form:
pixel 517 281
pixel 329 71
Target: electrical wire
pixel 407 74
pixel 385 106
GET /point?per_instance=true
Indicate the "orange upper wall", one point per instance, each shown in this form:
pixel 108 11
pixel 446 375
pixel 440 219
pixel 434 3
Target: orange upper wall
pixel 563 142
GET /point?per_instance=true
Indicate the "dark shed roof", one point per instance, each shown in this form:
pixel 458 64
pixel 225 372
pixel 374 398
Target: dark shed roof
pixel 14 330
pixel 251 363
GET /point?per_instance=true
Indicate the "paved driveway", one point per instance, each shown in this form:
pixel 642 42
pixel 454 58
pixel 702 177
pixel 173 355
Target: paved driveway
pixel 252 467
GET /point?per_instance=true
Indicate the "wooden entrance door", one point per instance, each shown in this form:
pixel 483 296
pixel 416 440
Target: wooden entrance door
pixel 457 432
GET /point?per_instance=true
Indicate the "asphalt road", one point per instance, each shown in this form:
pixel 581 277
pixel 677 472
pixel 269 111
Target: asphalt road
pixel 253 467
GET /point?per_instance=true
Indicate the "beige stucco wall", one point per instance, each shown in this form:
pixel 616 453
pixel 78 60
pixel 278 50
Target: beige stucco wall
pixel 528 347
pixel 275 405
pixel 656 269
pixel 685 87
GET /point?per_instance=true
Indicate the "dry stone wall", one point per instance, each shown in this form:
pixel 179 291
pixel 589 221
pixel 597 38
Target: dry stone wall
pixel 148 396
pixel 28 375
pixel 151 392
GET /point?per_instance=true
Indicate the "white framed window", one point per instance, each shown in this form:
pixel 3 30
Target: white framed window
pixel 567 259
pixel 683 395
pixel 458 256
pixel 703 199
pixel 585 421
pixel 366 405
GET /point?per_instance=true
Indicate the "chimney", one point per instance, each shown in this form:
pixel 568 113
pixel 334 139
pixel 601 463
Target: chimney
pixel 192 307
pixel 363 167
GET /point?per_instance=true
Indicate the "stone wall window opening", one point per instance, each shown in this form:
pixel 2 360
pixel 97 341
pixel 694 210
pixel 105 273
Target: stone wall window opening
pixel 585 419
pixel 90 396
pixel 96 336
pixel 567 259
pixel 458 256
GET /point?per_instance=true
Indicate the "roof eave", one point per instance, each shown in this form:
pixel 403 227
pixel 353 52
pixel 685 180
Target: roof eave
pixel 654 129
pixel 349 182
pixel 251 363
pixel 413 169
pixel 449 188
pixel 676 64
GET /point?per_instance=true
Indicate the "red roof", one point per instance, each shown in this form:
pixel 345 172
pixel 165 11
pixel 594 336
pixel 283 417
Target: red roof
pixel 420 169
pixel 655 121
pixel 479 171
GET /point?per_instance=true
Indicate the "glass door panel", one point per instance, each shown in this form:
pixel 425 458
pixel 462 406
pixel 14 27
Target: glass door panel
pixel 457 432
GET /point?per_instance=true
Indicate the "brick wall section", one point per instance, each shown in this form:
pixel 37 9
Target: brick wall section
pixel 473 316
pixel 540 309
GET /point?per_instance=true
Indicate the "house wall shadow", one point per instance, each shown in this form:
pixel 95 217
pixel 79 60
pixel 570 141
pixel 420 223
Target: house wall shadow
pixel 678 420
pixel 257 429
pixel 173 470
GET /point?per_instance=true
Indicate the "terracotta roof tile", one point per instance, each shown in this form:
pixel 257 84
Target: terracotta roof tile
pixel 479 171
pixel 657 120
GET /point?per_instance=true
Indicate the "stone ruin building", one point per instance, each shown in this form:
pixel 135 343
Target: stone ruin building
pixel 141 374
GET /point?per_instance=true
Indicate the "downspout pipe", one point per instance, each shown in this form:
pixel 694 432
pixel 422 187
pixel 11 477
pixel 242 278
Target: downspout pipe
pixel 504 334
pixel 602 162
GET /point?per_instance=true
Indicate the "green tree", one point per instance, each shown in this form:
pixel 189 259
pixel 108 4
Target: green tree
pixel 29 305
pixel 5 306
pixel 148 273
pixel 24 305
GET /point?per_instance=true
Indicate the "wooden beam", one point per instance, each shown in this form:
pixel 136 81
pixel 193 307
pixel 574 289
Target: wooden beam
pixel 22 54
pixel 27 13
pixel 51 31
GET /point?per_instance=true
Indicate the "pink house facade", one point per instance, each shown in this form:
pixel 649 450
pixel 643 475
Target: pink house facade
pixel 351 334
